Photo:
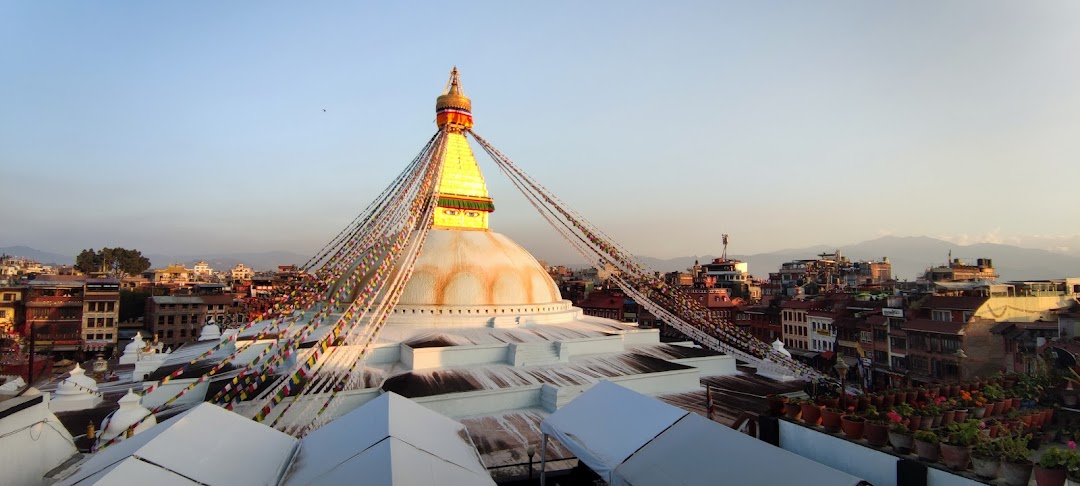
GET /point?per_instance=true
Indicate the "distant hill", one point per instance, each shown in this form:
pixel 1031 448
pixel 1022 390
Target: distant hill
pixel 909 255
pixel 43 257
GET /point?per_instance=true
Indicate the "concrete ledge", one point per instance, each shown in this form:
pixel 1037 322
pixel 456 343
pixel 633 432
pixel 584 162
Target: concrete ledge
pixel 483 402
pixel 710 365
pixel 452 356
pixel 585 346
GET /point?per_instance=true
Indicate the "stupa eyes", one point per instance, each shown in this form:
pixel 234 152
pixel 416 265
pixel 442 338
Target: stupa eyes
pixel 472 214
pixel 450 212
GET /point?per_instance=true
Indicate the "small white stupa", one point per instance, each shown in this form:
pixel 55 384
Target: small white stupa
pixel 76 392
pixel 210 332
pixel 131 351
pixel 12 387
pixel 778 346
pixel 130 412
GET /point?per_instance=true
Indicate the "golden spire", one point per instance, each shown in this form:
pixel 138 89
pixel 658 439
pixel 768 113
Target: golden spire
pixel 453 109
pixel 463 196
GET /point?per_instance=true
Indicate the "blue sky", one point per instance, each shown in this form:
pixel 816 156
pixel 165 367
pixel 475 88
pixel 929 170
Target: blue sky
pixel 190 127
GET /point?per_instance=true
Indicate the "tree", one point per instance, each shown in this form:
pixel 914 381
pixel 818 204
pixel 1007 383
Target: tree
pixel 112 260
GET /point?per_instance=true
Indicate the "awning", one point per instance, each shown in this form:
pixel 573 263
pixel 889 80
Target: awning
pixel 827 354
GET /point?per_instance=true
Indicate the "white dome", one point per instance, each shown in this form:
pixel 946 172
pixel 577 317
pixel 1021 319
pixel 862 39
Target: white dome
pixel 76 384
pixel 210 332
pixel 130 412
pixel 778 346
pixel 476 268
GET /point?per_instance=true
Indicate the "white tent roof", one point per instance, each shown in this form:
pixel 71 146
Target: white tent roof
pixel 631 439
pixel 389 440
pixel 207 445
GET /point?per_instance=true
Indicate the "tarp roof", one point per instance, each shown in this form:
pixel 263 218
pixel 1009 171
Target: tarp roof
pixel 630 439
pixel 204 445
pixel 389 440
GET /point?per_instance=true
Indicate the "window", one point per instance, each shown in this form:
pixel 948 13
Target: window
pixel 3 313
pixel 941 315
pixel 8 297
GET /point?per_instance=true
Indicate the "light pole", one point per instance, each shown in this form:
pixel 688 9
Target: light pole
pixel 960 356
pixel 842 368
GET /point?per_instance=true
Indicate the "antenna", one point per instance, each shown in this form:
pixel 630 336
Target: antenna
pixel 723 256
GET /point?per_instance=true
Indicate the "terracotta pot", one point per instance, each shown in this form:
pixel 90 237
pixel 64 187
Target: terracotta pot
pixel 977 412
pixel 830 419
pixel 927 451
pixel 956 457
pixel 1049 416
pixel 811 414
pixel 934 391
pixel 986 468
pixel 915 423
pixel 1049 477
pixel 937 419
pixel 829 402
pixel 901 442
pixel 1028 420
pixel 995 408
pixel 776 405
pixel 888 400
pixel 876 433
pixel 1016 402
pixel 912 397
pixel 954 390
pixel 1016 474
pixel 792 410
pixel 877 400
pixel 1006 405
pixel 947 417
pixel 960 416
pixel 853 429
pixel 927 423
pixel 994 431
pixel 965 387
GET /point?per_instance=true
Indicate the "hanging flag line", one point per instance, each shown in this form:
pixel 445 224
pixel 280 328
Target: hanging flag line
pixel 670 303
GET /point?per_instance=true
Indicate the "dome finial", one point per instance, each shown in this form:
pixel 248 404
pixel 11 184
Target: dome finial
pixel 453 109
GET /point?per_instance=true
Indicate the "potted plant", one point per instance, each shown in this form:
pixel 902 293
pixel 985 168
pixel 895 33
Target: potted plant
pixel 793 408
pixel 811 412
pixel 899 435
pixel 926 445
pixel 986 458
pixel 875 430
pixel 852 425
pixel 776 404
pixel 830 419
pixel 956 449
pixel 1015 459
pixel 1051 468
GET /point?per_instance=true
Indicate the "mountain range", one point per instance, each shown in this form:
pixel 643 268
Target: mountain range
pixel 909 255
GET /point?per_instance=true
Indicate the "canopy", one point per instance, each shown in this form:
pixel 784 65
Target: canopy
pixel 631 439
pixel 389 440
pixel 204 445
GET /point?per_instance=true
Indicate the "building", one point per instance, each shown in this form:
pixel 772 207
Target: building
pixel 763 322
pixel 101 315
pixel 241 273
pixel 794 325
pixel 725 273
pixel 174 275
pixel 54 313
pixel 958 270
pixel 11 309
pixel 174 320
pixel 202 270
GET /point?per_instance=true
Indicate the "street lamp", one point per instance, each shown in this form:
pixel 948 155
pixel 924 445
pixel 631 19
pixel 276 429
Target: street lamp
pixel 960 356
pixel 531 451
pixel 841 368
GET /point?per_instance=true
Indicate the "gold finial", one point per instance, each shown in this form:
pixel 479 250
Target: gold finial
pixel 453 98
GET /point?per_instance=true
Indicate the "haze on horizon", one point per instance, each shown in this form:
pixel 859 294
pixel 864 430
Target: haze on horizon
pixel 199 127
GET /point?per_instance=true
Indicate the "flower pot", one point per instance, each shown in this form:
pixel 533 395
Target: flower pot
pixel 947 417
pixel 977 412
pixel 853 429
pixel 1006 405
pixel 954 390
pixel 830 419
pixel 926 423
pixel 1016 403
pixel 876 433
pixel 997 408
pixel 1049 477
pixel 776 405
pixel 915 422
pixel 936 421
pixel 829 402
pixel 993 431
pixel 960 416
pixel 864 401
pixel 956 457
pixel 927 451
pixel 985 467
pixel 877 400
pixel 1049 413
pixel 901 442
pixel 811 414
pixel 888 400
pixel 792 410
pixel 1016 474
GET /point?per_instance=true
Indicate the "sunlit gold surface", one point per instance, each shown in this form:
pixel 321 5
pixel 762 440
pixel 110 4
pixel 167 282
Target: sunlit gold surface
pixel 461 177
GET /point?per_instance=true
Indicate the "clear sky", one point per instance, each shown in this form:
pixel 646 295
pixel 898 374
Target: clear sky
pixel 188 127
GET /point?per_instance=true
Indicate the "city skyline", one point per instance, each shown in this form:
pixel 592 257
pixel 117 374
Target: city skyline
pixel 201 129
